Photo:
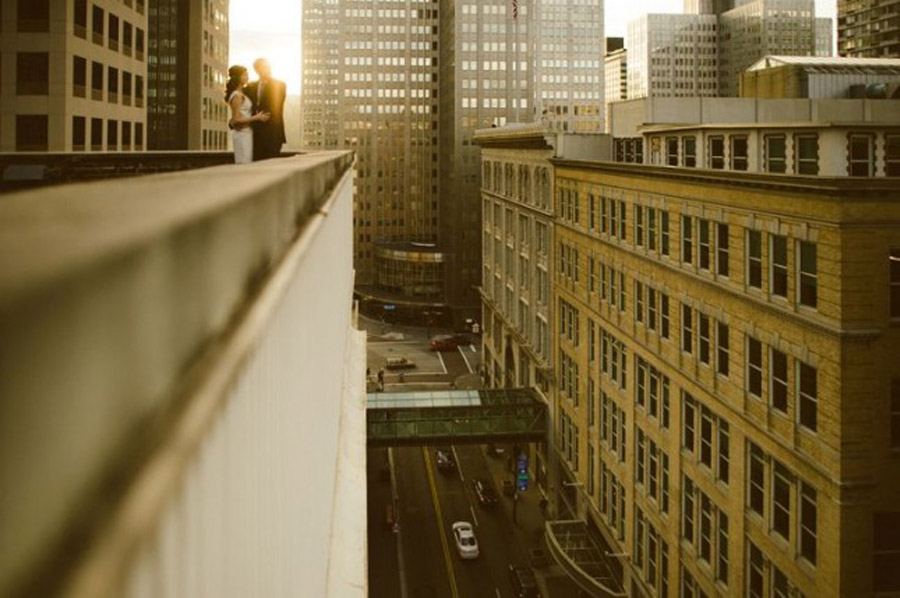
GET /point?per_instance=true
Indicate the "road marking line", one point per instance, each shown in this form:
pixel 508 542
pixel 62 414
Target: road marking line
pixel 497 590
pixel 395 496
pixel 475 517
pixel 468 365
pixel 440 523
pixel 441 358
pixel 474 350
pixel 458 464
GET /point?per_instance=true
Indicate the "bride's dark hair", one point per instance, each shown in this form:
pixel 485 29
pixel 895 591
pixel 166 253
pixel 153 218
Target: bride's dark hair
pixel 234 80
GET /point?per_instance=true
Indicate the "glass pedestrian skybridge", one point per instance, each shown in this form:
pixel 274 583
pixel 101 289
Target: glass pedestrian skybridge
pixel 455 417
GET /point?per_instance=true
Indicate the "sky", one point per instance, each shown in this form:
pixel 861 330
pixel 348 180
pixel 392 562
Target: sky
pixel 271 28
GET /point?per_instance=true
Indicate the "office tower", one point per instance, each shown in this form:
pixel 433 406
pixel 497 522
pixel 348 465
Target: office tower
pixel 371 85
pixel 615 70
pixel 824 37
pixel 188 44
pixel 868 28
pixel 477 65
pixel 569 44
pixel 673 55
pixel 702 52
pixel 727 404
pixel 758 28
pixel 73 76
pixel 486 79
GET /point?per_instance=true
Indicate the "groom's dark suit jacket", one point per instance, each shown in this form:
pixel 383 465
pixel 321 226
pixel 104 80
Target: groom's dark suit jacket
pixel 268 137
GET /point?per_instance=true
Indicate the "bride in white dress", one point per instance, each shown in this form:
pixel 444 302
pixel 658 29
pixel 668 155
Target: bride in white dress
pixel 242 116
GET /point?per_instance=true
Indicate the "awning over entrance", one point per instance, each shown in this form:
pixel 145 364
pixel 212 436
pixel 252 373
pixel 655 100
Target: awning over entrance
pixel 455 417
pixel 582 554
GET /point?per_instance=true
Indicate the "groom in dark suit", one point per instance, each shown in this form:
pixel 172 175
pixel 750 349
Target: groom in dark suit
pixel 267 95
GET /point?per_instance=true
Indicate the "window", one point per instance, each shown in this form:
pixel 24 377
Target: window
pixel 33 16
pixel 808 274
pixel 722 446
pixel 112 85
pixel 738 152
pixel 722 249
pixel 664 315
pixel 664 233
pixel 31 132
pixel 806 150
pixel 79 133
pixel 127 37
pixel 690 151
pixel 781 501
pixel 861 157
pixel 703 338
pixel 703 247
pixel 722 348
pixel 139 43
pixel 113 32
pixel 775 153
pixel 98 22
pixel 638 225
pixel 97 134
pixel 79 77
pixel 778 383
pixel 687 245
pixel 138 136
pixel 755 571
pixel 672 151
pixel 687 329
pixel 756 487
pixel 779 266
pixel 892 155
pixel 652 311
pixel 894 261
pixel 754 367
pixel 687 513
pixel 651 229
pixel 112 135
pixel 80 18
pixel 809 402
pixel 754 259
pixel 808 522
pixel 638 301
pixel 96 81
pixel 688 432
pixel 706 436
pixel 32 73
pixel 717 152
pixel 886 551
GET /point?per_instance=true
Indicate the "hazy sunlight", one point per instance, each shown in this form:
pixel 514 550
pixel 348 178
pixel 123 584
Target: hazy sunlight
pixel 270 29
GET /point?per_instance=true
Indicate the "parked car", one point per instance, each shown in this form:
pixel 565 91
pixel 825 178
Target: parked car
pixel 485 493
pixel 523 582
pixel 464 537
pixel 445 462
pixel 399 363
pixel 449 342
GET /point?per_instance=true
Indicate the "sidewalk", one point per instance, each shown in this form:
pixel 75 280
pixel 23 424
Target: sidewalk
pixel 528 532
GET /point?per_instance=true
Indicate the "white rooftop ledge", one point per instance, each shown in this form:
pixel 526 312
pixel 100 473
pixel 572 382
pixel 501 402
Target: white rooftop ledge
pixel 176 408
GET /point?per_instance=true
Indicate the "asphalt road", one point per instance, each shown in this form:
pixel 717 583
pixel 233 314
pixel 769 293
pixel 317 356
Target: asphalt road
pixel 430 501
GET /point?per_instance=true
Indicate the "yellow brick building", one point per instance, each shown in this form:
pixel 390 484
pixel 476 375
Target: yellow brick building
pixel 726 348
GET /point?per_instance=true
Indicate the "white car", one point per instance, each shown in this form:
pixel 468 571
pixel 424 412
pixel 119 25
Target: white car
pixel 464 536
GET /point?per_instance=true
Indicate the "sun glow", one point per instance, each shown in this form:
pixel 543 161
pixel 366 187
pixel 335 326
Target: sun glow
pixel 268 29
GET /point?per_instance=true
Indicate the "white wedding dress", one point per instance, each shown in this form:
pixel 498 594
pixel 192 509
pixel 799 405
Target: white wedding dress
pixel 243 138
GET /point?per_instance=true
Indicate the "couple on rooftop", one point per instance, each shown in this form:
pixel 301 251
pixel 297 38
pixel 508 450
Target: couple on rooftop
pixel 257 113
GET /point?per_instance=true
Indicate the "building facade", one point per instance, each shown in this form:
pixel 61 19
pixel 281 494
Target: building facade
pixel 371 85
pixel 73 76
pixel 478 65
pixel 759 28
pixel 727 406
pixel 868 28
pixel 615 72
pixel 673 55
pixel 187 75
pixel 703 51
